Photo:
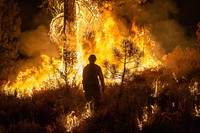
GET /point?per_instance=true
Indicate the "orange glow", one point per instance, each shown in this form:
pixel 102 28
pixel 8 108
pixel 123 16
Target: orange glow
pixel 70 121
pixel 92 33
pixel 35 79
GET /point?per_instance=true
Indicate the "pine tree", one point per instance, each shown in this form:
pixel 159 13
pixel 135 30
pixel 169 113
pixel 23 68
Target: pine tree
pixel 129 55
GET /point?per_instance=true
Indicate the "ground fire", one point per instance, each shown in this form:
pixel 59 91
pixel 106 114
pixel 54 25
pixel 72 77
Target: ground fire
pixel 147 88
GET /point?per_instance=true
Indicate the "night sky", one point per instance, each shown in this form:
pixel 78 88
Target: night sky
pixel 28 9
pixel 188 15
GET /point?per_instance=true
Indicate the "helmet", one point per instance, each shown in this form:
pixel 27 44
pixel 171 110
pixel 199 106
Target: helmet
pixel 92 58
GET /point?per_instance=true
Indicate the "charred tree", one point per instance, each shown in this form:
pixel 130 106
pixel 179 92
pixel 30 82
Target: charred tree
pixel 10 24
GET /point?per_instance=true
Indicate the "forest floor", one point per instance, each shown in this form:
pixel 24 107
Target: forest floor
pixel 174 107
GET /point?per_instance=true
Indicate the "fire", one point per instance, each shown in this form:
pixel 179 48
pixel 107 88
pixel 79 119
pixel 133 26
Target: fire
pixel 144 119
pixel 91 32
pixel 71 121
pixel 47 76
pixel 104 38
pixel 157 85
pixel 194 89
pixel 147 116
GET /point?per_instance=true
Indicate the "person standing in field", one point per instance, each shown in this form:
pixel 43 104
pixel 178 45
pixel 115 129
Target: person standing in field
pixel 92 74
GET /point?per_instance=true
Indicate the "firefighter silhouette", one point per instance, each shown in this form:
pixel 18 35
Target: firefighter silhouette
pixel 92 74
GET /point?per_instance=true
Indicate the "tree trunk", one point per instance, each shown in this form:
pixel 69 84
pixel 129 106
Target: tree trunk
pixel 123 73
pixel 10 24
pixel 68 21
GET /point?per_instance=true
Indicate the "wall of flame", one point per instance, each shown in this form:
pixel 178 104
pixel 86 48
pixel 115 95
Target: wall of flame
pixel 95 31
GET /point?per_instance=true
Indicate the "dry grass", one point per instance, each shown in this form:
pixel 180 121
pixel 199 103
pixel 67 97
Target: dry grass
pixel 175 103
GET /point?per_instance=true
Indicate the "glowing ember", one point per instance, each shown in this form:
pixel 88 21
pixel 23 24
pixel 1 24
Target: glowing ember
pixel 144 118
pixel 194 89
pixel 156 86
pixel 154 108
pixel 140 124
pixel 197 110
pixel 147 116
pixel 71 121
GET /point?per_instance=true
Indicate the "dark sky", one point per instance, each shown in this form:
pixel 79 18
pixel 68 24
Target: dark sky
pixel 188 15
pixel 28 9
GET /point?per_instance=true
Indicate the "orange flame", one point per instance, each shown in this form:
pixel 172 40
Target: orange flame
pixel 90 37
pixel 47 76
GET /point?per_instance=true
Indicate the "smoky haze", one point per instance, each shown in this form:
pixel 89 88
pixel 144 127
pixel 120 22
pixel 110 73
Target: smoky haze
pixel 32 44
pixel 160 16
pixel 168 32
pixel 36 42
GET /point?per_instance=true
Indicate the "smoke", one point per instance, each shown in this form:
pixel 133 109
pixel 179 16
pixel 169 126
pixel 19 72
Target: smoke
pixel 41 18
pixel 159 16
pixel 36 42
pixel 124 15
pixel 156 14
pixel 32 44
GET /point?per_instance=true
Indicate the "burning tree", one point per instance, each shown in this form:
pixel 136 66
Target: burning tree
pixel 66 11
pixel 74 20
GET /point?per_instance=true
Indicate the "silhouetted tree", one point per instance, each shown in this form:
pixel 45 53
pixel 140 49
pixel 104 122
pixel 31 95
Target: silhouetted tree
pixel 128 53
pixel 130 56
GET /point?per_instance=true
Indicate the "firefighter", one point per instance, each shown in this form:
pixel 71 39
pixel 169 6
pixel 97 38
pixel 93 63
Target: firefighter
pixel 92 74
